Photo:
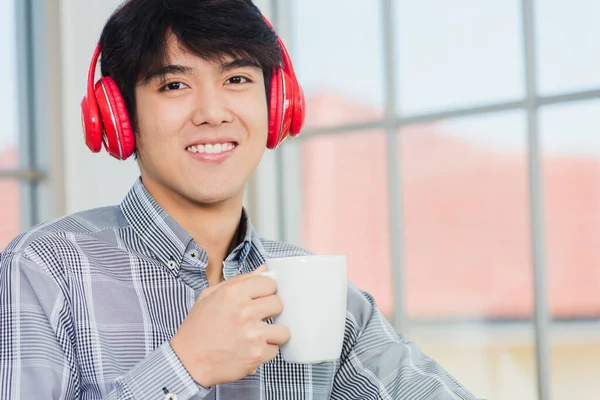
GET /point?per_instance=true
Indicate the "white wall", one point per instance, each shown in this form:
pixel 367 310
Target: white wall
pixel 91 180
pixel 262 195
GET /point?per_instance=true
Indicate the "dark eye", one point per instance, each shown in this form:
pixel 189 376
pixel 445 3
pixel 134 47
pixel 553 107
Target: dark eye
pixel 173 86
pixel 236 80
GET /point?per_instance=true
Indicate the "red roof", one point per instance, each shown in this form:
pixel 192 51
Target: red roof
pixel 467 248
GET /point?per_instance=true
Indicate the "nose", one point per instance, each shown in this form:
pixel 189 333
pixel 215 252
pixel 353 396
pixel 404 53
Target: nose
pixel 211 108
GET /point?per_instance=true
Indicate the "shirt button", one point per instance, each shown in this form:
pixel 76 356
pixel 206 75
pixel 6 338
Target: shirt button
pixel 172 264
pixel 171 396
pixel 193 254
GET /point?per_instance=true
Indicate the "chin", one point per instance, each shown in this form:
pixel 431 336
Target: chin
pixel 212 198
pixel 209 190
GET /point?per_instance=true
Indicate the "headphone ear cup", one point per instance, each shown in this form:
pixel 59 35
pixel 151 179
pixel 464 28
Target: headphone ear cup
pixel 299 110
pixel 119 139
pixel 90 114
pixel 92 126
pixel 275 109
pixel 289 95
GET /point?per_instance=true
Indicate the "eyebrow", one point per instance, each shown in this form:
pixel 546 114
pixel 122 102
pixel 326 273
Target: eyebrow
pixel 239 63
pixel 161 72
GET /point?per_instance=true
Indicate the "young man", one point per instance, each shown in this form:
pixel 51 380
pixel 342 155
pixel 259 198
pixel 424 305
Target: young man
pixel 158 298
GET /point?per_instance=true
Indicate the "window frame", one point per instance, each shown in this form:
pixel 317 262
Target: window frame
pixel 289 188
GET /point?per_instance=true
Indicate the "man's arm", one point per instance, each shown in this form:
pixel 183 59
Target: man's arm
pixel 377 363
pixel 38 356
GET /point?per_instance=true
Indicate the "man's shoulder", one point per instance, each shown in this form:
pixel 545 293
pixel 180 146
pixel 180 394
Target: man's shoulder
pixel 277 249
pixel 65 229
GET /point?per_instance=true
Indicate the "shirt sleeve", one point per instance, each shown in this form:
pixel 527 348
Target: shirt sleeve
pixel 378 363
pixel 37 351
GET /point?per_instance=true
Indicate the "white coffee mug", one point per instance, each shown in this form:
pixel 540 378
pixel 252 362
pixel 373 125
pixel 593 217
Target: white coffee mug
pixel 313 290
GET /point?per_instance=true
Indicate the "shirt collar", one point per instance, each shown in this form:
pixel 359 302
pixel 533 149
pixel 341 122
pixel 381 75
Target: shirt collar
pixel 167 239
pixel 250 251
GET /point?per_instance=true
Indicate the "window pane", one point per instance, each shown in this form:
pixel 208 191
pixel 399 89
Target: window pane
pixel 571 159
pixel 567 39
pixel 493 360
pixel 345 206
pixel 9 211
pixel 8 94
pixel 468 275
pixel 458 53
pixel 338 55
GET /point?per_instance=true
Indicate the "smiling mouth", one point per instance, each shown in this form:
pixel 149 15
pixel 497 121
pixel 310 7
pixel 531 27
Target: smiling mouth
pixel 216 148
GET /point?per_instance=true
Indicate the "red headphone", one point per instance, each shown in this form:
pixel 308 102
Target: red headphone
pixel 106 120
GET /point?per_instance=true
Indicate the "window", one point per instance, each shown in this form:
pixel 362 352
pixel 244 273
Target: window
pixel 10 162
pixel 567 47
pixel 346 207
pixel 467 265
pixel 571 162
pixel 20 135
pixel 462 268
pixel 457 54
pixel 338 56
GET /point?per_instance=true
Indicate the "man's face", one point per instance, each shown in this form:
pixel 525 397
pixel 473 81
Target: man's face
pixel 202 127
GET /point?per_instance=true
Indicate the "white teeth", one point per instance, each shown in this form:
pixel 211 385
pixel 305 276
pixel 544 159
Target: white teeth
pixel 210 148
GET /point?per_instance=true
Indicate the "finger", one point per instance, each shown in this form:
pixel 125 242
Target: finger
pixel 254 287
pixel 266 307
pixel 241 277
pixel 276 334
pixel 208 291
pixel 234 279
pixel 271 352
pixel 260 269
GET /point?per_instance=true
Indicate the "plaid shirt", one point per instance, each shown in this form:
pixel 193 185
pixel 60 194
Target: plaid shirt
pixel 89 302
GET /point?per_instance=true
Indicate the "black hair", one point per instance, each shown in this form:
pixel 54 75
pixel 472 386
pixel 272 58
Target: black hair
pixel 134 40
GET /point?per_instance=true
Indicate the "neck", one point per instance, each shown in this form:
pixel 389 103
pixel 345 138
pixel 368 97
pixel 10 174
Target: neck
pixel 214 227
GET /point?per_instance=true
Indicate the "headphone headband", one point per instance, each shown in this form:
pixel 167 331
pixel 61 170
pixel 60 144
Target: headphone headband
pixel 91 79
pixel 287 60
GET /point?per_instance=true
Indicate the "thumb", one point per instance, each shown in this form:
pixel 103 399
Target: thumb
pixel 209 290
pixel 260 269
pixel 243 277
